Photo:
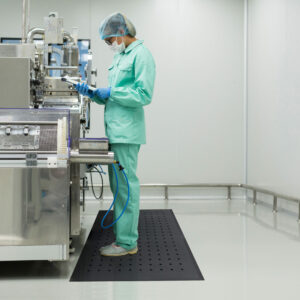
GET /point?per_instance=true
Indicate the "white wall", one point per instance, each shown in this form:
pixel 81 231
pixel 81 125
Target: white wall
pixel 195 123
pixel 274 95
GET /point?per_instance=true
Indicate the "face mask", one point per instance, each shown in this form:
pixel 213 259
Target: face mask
pixel 117 48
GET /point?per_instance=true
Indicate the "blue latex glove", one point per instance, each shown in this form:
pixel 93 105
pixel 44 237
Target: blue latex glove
pixel 84 89
pixel 102 93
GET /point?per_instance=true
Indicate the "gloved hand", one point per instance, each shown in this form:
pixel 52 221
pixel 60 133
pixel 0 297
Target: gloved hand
pixel 102 93
pixel 83 89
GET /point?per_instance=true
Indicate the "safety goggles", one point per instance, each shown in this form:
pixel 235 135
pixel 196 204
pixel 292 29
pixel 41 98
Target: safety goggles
pixel 108 41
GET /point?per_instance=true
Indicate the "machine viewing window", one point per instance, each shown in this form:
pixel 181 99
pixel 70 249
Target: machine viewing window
pixel 83 46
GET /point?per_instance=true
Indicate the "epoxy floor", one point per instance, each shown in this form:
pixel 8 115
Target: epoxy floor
pixel 244 252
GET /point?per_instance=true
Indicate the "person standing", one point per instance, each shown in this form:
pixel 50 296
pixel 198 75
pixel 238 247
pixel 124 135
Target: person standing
pixel 131 83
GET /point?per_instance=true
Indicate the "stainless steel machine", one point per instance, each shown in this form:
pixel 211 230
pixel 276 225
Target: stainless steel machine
pixel 43 149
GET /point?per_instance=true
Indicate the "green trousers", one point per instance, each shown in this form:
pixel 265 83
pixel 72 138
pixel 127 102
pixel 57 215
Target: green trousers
pixel 126 229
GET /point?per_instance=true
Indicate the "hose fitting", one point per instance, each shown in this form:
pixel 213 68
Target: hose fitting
pixel 121 168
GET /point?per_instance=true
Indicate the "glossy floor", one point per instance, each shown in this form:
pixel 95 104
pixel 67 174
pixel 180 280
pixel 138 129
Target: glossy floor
pixel 244 252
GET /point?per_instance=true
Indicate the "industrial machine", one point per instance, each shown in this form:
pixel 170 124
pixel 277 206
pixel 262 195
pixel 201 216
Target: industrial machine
pixel 43 149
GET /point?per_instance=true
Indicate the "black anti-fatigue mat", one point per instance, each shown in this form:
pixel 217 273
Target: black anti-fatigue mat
pixel 163 253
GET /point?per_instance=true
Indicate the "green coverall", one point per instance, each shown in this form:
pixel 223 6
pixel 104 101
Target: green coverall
pixel 131 78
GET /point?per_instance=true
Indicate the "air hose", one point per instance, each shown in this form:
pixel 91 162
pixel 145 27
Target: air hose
pixel 115 197
pixel 100 172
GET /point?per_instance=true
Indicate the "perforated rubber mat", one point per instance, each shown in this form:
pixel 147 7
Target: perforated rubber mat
pixel 163 253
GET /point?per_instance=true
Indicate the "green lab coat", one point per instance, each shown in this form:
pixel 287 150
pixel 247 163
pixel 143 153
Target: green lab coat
pixel 131 78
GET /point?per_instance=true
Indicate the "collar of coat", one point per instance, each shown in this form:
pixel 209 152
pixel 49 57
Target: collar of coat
pixel 133 45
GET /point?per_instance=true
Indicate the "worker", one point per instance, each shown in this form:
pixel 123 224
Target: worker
pixel 131 82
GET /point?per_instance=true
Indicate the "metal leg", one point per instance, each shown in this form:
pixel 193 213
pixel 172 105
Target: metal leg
pixel 102 193
pixel 275 221
pixel 83 193
pixel 299 213
pixel 254 197
pixel 229 193
pixel 71 248
pixel 166 193
pixel 75 199
pixel 275 204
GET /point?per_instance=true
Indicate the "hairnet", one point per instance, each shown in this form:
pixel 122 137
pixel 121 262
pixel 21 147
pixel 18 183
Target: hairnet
pixel 116 25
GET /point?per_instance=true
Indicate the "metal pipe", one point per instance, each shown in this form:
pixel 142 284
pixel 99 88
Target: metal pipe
pixel 218 185
pixel 162 185
pixel 195 185
pixel 33 32
pixel 254 197
pixel 104 159
pixel 25 16
pixel 28 122
pixel 24 21
pixel 229 193
pixel 166 193
pixel 61 68
pixel 246 88
pixel 268 192
pixel 14 152
pixel 83 193
pixel 275 204
pixel 299 213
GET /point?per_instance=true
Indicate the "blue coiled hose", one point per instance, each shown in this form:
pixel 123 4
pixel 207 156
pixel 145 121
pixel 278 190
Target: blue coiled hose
pixel 115 198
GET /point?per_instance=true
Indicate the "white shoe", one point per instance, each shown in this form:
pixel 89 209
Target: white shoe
pixel 115 250
pixel 104 247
